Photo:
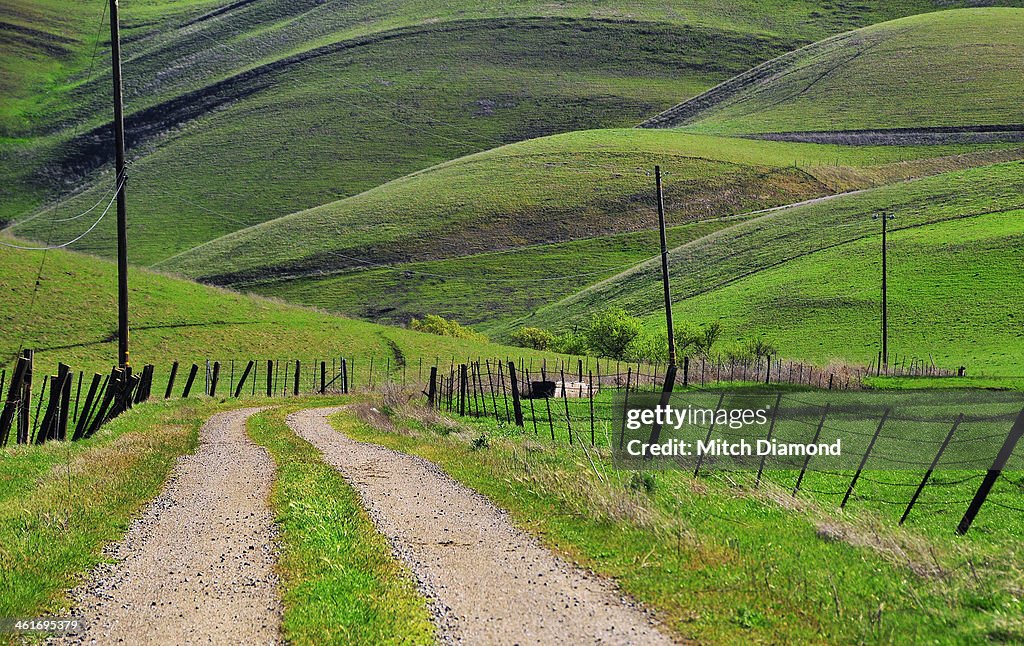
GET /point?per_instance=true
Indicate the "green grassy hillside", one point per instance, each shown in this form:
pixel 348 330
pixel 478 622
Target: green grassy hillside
pixel 822 260
pixel 399 250
pixel 954 296
pixel 947 69
pixel 252 110
pixel 73 318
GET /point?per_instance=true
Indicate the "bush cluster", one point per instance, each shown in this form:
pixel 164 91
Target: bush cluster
pixel 434 324
pixel 615 334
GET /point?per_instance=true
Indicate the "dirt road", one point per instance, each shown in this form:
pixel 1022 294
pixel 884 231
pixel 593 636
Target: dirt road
pixel 198 565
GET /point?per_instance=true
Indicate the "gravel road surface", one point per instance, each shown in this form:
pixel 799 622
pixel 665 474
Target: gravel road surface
pixel 198 566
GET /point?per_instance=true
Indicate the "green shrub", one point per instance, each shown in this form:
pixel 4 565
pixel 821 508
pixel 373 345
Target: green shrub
pixel 434 324
pixel 611 332
pixel 570 343
pixel 533 337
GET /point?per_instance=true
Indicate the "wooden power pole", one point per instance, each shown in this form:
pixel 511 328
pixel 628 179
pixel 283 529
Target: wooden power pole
pixel 885 289
pixel 664 268
pixel 120 184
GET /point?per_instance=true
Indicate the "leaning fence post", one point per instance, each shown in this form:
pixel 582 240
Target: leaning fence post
pixel 188 382
pixel 83 419
pixel 807 458
pixel 170 381
pixel 12 401
pixel 516 404
pixel 245 375
pixel 864 460
pixel 711 429
pixel 993 474
pixel 771 429
pixel 935 462
pixel 214 379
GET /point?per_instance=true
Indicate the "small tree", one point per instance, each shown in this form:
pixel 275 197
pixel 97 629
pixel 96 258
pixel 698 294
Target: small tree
pixel 570 343
pixel 610 333
pixel 707 338
pixel 533 337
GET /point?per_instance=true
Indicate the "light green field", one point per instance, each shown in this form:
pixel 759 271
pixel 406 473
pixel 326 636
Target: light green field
pixel 74 320
pixel 821 299
pixel 944 69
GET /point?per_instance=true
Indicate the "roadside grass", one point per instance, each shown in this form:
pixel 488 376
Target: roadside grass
pixel 947 68
pixel 61 503
pixel 721 562
pixel 340 581
pixel 811 273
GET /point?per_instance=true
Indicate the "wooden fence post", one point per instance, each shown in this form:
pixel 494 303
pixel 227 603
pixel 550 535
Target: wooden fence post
pixel 12 401
pixel 188 382
pixel 170 381
pixel 83 419
pixel 432 386
pixel 298 368
pixel 26 397
pixel 270 377
pixel 463 388
pixel 935 462
pixel 65 402
pixel 323 377
pixel 864 460
pixel 245 375
pixel 807 458
pixel 516 403
pixel 214 379
pixel 993 474
pixel 108 397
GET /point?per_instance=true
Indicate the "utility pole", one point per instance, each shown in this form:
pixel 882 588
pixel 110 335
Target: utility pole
pixel 670 374
pixel 120 182
pixel 664 269
pixel 885 287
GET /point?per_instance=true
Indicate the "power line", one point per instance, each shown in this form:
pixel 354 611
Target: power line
pixel 73 240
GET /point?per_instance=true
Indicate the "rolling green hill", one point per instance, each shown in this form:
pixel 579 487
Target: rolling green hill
pixel 946 70
pixel 399 250
pixel 249 111
pixel 807 277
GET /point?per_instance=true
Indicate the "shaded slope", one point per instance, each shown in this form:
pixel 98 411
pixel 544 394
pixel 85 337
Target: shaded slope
pixel 946 69
pixel 552 189
pixel 343 118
